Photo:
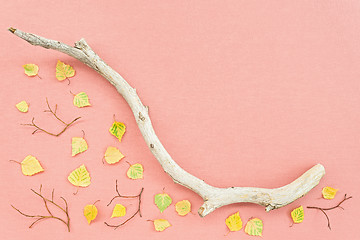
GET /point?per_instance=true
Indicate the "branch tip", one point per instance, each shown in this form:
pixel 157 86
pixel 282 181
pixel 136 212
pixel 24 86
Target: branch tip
pixel 11 29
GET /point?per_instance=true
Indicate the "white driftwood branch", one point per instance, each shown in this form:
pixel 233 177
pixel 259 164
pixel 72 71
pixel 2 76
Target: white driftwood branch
pixel 214 197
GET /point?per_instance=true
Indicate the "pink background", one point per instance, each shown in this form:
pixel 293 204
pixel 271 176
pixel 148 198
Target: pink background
pixel 241 93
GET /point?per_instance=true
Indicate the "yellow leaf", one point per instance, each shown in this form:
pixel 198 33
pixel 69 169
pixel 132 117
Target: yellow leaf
pixel 64 71
pixel 297 214
pixel 254 227
pixel 113 155
pixel 329 192
pixel 78 145
pixel 81 100
pixel 119 211
pixel 80 177
pixel 31 69
pixel 183 207
pixel 30 166
pixel 118 129
pixel 90 212
pixel 135 171
pixel 22 106
pixel 233 222
pixel 161 224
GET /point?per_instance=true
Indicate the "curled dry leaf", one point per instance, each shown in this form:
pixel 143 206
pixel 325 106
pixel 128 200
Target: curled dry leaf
pixel 78 145
pixel 254 227
pixel 113 155
pixel 119 211
pixel 233 222
pixel 329 192
pixel 162 201
pixel 22 106
pixel 63 71
pixel 183 207
pixel 161 224
pixel 135 171
pixel 31 69
pixel 297 214
pixel 90 212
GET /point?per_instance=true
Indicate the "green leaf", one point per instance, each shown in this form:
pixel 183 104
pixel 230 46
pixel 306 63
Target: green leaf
pixel 81 100
pixel 31 69
pixel 162 201
pixel 135 171
pixel 118 129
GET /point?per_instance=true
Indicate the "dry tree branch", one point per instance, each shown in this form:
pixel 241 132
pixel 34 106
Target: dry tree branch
pixel 138 211
pixel 331 208
pixel 53 112
pixel 46 201
pixel 214 197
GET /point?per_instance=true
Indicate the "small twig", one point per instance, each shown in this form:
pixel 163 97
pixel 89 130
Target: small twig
pixel 46 201
pixel 331 208
pixel 138 211
pixel 53 112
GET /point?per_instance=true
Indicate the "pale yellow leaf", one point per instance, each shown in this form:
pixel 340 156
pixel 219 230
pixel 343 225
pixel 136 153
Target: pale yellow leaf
pixel 113 155
pixel 64 71
pixel 297 214
pixel 30 166
pixel 254 227
pixel 31 69
pixel 80 177
pixel 119 211
pixel 161 224
pixel 22 106
pixel 135 171
pixel 233 222
pixel 118 129
pixel 81 100
pixel 329 192
pixel 78 145
pixel 183 207
pixel 90 212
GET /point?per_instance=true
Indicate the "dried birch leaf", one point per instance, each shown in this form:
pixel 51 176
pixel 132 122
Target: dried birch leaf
pixel 118 129
pixel 329 192
pixel 30 166
pixel 81 100
pixel 113 155
pixel 119 211
pixel 64 71
pixel 233 222
pixel 162 201
pixel 22 106
pixel 78 145
pixel 183 207
pixel 297 214
pixel 80 177
pixel 31 69
pixel 135 171
pixel 161 224
pixel 254 227
pixel 90 212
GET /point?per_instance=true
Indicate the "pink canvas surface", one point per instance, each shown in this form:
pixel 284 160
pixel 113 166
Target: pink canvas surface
pixel 241 93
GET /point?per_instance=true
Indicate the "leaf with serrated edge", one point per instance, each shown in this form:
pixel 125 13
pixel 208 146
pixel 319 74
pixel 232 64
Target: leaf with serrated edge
pixel 135 171
pixel 118 129
pixel 329 192
pixel 81 100
pixel 78 145
pixel 233 222
pixel 30 166
pixel 80 177
pixel 297 214
pixel 113 155
pixel 162 201
pixel 63 71
pixel 22 106
pixel 90 212
pixel 118 211
pixel 161 224
pixel 183 207
pixel 254 227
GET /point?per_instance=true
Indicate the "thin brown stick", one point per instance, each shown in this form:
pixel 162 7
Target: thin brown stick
pixel 46 201
pixel 331 208
pixel 53 112
pixel 138 211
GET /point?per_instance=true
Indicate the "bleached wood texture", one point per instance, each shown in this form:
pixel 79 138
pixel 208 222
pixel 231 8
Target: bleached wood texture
pixel 213 197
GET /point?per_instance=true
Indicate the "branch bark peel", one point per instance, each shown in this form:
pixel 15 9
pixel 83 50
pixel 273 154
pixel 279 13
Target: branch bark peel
pixel 213 197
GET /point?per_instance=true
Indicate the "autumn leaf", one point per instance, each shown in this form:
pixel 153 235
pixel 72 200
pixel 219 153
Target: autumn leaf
pixel 329 192
pixel 90 212
pixel 118 129
pixel 78 145
pixel 80 177
pixel 297 214
pixel 162 201
pixel 119 211
pixel 183 207
pixel 64 71
pixel 31 69
pixel 161 224
pixel 254 227
pixel 135 171
pixel 233 222
pixel 22 106
pixel 113 155
pixel 30 166
pixel 81 100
